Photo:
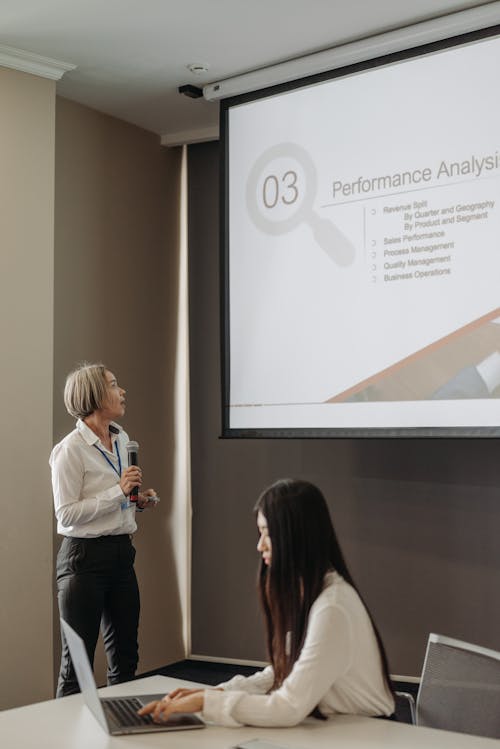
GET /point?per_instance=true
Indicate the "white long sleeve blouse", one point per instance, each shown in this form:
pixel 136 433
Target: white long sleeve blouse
pixel 339 669
pixel 88 499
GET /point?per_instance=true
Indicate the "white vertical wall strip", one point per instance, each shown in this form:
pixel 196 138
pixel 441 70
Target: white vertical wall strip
pixel 181 510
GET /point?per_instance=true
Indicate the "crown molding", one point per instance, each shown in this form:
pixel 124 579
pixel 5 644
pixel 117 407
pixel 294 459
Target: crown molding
pixel 28 62
pixel 199 135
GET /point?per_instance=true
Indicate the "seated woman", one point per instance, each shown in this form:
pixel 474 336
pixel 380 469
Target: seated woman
pixel 325 652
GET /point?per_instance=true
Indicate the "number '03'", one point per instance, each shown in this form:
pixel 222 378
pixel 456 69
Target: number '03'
pixel 284 189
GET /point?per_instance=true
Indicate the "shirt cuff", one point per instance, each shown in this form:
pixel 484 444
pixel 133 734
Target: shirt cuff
pixel 113 494
pixel 258 683
pixel 217 707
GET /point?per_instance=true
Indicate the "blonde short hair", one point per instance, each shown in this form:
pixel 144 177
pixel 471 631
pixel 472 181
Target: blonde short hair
pixel 85 390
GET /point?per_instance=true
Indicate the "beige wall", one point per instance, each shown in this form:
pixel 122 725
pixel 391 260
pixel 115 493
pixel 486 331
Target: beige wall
pixel 100 281
pixel 26 310
pixel 116 300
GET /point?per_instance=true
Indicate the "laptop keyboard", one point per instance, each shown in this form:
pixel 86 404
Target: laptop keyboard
pixel 124 711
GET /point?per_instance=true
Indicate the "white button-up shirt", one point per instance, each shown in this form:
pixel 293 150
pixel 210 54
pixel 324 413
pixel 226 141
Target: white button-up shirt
pixel 339 669
pixel 88 499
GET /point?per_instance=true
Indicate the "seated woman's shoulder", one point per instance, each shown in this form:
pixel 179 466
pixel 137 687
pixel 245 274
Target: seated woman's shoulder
pixel 338 591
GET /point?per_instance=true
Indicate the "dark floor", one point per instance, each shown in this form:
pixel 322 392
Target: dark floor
pixel 207 672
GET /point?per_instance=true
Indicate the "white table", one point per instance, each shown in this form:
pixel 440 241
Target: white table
pixel 68 724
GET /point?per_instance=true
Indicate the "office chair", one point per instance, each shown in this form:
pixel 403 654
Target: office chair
pixel 405 707
pixel 460 688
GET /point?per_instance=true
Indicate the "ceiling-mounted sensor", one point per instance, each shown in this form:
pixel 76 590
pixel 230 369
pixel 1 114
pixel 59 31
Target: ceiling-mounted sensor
pixel 198 68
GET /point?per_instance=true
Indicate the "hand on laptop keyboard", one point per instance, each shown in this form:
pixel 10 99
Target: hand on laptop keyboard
pixel 179 701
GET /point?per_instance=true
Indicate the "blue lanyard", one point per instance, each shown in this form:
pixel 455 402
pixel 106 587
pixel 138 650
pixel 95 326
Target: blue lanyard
pixel 119 472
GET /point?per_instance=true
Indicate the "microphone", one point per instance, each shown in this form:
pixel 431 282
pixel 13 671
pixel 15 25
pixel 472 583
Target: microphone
pixel 133 450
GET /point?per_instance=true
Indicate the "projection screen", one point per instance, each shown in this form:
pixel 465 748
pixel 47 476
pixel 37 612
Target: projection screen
pixel 361 249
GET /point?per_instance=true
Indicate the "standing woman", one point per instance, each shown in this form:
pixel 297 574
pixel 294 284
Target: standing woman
pixel 325 653
pixel 96 580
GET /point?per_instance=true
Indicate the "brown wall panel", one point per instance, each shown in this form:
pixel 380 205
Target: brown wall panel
pixel 418 519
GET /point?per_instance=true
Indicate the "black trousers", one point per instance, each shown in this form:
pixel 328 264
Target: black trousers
pixel 97 587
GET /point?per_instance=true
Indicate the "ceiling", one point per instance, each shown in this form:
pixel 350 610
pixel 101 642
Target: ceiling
pixel 132 55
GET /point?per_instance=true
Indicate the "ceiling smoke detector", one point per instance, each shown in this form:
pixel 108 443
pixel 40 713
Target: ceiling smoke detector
pixel 198 68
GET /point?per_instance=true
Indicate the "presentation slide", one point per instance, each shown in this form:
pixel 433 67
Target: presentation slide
pixel 364 249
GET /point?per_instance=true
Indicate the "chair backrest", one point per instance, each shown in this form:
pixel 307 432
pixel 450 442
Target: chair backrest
pixel 405 707
pixel 460 688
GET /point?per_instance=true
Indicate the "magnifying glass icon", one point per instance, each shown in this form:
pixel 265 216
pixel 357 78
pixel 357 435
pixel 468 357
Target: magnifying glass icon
pixel 280 199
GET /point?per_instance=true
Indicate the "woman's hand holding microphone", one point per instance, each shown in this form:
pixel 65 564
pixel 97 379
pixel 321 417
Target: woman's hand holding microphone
pixel 131 478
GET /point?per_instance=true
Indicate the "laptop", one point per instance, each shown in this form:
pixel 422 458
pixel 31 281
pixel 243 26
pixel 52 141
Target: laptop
pixel 118 715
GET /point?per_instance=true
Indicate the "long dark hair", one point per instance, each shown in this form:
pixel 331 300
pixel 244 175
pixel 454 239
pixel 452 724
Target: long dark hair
pixel 304 548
